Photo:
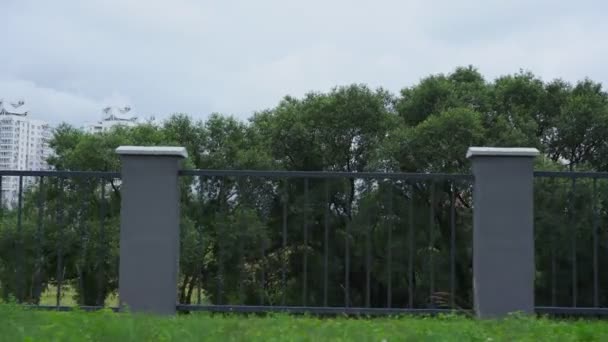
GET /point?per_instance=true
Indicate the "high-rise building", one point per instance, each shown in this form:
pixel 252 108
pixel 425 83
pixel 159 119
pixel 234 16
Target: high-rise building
pixel 24 145
pixel 111 117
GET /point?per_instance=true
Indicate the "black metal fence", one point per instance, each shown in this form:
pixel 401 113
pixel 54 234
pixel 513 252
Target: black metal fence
pixel 251 241
pixel 571 242
pixel 322 242
pixel 325 242
pixel 58 237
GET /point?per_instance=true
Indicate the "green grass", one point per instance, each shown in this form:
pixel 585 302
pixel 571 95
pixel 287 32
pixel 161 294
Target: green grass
pixel 19 324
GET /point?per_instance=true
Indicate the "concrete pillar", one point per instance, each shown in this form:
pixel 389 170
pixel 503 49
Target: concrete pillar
pixel 503 230
pixel 149 228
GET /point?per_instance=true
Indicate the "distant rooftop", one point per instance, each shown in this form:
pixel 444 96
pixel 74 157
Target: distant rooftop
pixel 13 108
pixel 118 114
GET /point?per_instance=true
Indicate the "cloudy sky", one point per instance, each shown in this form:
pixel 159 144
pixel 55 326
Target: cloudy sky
pixel 70 58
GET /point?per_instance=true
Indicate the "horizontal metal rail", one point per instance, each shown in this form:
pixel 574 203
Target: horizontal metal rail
pixel 541 310
pixel 570 311
pixel 569 174
pixel 299 174
pixel 62 174
pixel 64 308
pixel 311 310
pixel 324 174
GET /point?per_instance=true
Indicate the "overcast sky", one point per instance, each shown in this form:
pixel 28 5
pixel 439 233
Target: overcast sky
pixel 70 58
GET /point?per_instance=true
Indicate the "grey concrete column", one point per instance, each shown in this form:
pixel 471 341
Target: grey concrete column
pixel 503 230
pixel 149 228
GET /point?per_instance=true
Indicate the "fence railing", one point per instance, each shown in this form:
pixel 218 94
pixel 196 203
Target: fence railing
pixel 58 238
pixel 60 224
pixel 313 241
pixel 319 242
pixel 571 242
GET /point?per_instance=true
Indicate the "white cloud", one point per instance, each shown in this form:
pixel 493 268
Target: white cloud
pixel 70 58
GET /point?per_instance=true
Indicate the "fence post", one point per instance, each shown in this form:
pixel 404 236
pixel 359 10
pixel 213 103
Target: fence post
pixel 149 228
pixel 503 230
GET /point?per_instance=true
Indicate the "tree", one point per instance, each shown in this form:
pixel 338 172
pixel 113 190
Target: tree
pixel 580 126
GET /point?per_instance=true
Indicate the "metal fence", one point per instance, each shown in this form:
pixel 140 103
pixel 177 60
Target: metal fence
pixel 319 242
pixel 58 237
pixel 326 242
pixel 251 241
pixel 571 242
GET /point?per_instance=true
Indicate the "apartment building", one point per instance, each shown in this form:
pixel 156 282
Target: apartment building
pixel 24 145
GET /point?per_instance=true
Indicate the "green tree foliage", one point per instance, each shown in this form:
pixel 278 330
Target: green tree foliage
pixel 233 244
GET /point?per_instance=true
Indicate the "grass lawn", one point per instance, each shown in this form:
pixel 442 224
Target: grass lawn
pixel 19 324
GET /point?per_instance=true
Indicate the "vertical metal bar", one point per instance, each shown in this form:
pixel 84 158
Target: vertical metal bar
pixel 326 245
pixel 220 247
pixel 573 240
pixel 240 263
pixel 20 270
pixel 452 245
pixel 262 272
pixel 83 246
pixel 305 261
pixel 553 274
pixel 596 297
pixel 264 215
pixel 39 241
pixel 199 282
pixel 389 247
pixel 284 235
pixel 59 274
pixel 554 241
pixel 573 246
pixel 347 246
pixel 102 240
pixel 411 246
pixel 432 240
pixel 240 250
pixel 218 293
pixel 368 260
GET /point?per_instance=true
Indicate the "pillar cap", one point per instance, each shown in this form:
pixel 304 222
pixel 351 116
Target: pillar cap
pixel 168 151
pixel 502 152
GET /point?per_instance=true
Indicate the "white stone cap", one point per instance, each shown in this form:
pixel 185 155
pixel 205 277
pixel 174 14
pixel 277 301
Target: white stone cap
pixel 502 152
pixel 152 151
